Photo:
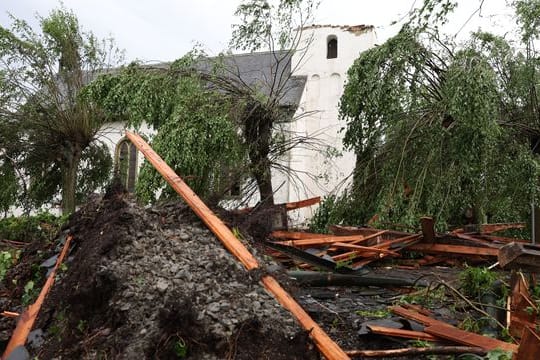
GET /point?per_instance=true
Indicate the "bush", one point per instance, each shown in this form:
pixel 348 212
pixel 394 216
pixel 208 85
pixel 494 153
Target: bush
pixel 43 226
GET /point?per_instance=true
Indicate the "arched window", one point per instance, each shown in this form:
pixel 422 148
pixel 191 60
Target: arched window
pixel 126 164
pixel 331 47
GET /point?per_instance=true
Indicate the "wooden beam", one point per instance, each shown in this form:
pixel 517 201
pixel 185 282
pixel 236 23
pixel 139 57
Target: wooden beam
pixel 407 334
pixel 302 203
pixel 288 206
pixel 491 228
pixel 529 346
pixel 328 239
pixel 28 318
pixel 325 345
pixel 366 248
pixel 477 239
pixel 518 255
pixel 446 331
pixel 295 235
pixel 454 249
pixel 468 338
pixel 10 314
pixel 402 242
pixel 415 315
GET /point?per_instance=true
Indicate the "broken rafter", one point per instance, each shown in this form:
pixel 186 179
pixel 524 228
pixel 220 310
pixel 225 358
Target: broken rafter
pixel 288 206
pixel 27 319
pixel 520 256
pixel 330 239
pixel 446 331
pixel 396 243
pixel 454 249
pixel 302 203
pixel 468 338
pixel 326 345
pixel 295 235
pixel 407 334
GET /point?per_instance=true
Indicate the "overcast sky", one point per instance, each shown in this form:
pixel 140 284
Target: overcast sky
pixel 163 30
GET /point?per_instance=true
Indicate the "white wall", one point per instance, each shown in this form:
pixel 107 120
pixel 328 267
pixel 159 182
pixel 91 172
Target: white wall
pixel 319 175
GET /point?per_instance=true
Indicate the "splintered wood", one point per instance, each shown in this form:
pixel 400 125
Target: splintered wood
pixel 352 247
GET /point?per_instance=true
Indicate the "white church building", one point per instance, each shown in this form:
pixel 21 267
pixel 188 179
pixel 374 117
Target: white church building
pixel 322 69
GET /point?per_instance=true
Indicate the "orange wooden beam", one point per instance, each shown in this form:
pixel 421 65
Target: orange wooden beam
pixel 302 203
pixel 468 338
pixel 27 319
pixel 446 331
pixel 454 249
pixel 325 345
pixel 10 314
pixel 330 239
pixel 295 235
pixel 407 334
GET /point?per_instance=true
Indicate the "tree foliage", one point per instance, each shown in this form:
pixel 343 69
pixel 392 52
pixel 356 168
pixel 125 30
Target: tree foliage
pixel 195 128
pixel 443 129
pixel 210 118
pixel 48 134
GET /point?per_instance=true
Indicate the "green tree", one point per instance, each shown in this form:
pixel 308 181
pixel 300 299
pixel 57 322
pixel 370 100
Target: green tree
pixel 196 133
pixel 51 134
pixel 441 128
pixel 275 27
pixel 207 116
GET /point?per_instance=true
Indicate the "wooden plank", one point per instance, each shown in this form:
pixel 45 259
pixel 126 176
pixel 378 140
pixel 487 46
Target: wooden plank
pixel 403 241
pixel 328 239
pixel 416 316
pixel 529 346
pixel 468 338
pixel 454 249
pixel 446 331
pixel 520 256
pixel 288 206
pixel 476 239
pixel 418 308
pixel 407 334
pixel 302 203
pixel 10 314
pixel 520 302
pixel 502 239
pixel 325 345
pixel 366 248
pixel 28 318
pixel 491 228
pixel 295 235
pixel 354 230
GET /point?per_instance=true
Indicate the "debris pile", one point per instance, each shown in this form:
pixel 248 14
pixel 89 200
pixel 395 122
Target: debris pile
pixel 155 283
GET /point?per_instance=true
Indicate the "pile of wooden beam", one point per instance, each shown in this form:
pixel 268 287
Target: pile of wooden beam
pixel 351 248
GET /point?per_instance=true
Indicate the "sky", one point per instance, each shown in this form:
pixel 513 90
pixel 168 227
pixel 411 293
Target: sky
pixel 164 30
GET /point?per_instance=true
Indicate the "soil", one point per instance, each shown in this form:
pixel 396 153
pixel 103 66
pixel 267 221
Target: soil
pixel 154 283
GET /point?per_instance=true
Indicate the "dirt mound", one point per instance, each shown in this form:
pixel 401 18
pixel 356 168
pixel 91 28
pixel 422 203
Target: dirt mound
pixel 155 283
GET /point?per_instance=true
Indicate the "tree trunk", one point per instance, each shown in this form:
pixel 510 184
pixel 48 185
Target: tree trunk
pixel 258 135
pixel 69 181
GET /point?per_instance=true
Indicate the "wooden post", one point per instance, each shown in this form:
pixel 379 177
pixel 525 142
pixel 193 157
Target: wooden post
pixel 428 229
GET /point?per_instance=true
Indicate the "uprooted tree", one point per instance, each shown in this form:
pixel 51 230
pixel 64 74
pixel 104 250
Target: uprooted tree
pixel 49 144
pixel 214 124
pixel 444 129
